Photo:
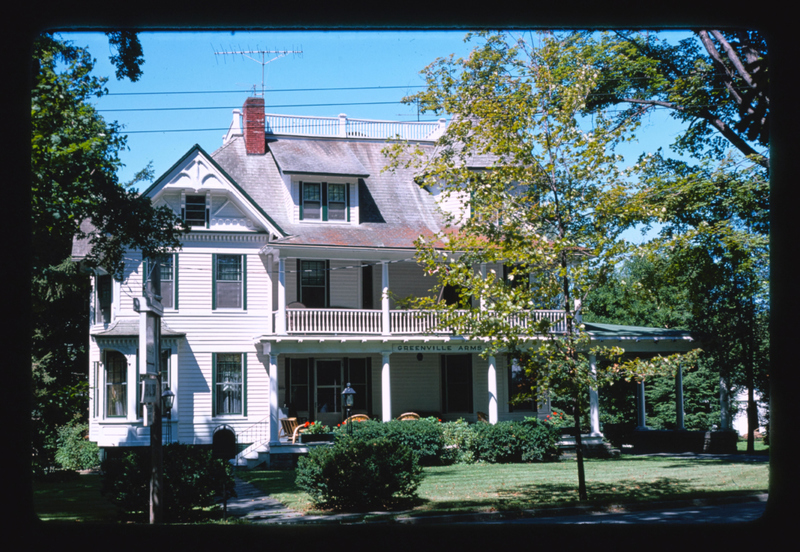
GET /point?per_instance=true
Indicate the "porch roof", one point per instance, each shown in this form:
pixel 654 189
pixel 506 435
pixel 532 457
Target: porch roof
pixel 130 328
pixel 615 330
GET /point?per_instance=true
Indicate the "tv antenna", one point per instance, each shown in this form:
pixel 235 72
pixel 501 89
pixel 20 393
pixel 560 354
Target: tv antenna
pixel 263 61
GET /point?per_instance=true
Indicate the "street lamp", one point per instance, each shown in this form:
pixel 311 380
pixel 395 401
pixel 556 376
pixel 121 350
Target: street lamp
pixel 167 400
pixel 347 399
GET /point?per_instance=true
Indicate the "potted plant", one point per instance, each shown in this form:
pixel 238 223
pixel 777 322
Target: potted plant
pixel 316 432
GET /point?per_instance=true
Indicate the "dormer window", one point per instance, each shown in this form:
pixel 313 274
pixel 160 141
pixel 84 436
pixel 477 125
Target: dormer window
pixel 195 212
pixel 324 201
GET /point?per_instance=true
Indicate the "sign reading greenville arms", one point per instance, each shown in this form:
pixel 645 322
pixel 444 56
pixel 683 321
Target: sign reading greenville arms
pixel 438 348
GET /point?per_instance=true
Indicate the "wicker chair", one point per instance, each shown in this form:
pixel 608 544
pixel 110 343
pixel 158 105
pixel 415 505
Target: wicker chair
pixel 408 416
pixel 291 429
pixel 482 417
pixel 357 418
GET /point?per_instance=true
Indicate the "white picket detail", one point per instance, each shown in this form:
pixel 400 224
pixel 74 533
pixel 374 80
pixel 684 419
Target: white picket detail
pixel 402 322
pixel 344 127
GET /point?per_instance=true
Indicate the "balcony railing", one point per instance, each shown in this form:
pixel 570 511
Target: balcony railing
pixel 401 322
pixel 344 127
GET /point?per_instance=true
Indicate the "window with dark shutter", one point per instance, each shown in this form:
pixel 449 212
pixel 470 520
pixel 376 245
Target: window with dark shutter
pixel 228 281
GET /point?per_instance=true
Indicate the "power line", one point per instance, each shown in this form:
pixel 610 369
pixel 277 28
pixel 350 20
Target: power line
pixel 238 107
pixel 245 91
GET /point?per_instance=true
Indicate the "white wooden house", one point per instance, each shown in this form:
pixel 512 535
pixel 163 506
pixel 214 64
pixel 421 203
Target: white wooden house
pixel 284 292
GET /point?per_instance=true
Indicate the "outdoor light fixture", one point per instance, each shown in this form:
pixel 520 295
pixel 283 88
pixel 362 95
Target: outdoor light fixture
pixel 167 400
pixel 348 396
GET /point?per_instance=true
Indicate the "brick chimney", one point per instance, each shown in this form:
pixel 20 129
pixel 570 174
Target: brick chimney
pixel 255 141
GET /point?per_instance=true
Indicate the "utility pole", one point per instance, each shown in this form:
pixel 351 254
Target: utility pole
pixel 263 62
pixel 150 312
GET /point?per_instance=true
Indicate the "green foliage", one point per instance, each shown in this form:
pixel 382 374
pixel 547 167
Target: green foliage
pixel 528 441
pixel 459 442
pixel 316 428
pixel 716 82
pixel 75 451
pixel 75 193
pixel 359 474
pixel 423 437
pixel 192 479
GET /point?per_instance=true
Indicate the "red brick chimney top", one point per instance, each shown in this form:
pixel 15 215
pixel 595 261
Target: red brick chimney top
pixel 254 137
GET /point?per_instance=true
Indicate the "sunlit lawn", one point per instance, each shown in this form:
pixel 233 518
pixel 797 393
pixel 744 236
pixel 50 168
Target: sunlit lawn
pixel 478 487
pixel 482 487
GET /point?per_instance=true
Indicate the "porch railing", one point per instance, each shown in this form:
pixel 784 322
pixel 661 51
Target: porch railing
pixel 401 322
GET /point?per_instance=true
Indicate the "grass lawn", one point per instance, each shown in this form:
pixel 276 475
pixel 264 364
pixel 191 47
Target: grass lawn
pixel 75 500
pixel 477 487
pixel 488 487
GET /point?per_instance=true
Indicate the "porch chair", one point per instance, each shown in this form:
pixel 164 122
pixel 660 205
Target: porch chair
pixel 357 418
pixel 291 428
pixel 408 416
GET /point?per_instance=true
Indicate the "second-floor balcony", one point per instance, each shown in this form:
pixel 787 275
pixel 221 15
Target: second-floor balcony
pixel 303 321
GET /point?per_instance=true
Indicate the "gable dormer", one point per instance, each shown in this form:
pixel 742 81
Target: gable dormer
pixel 207 198
pixel 323 177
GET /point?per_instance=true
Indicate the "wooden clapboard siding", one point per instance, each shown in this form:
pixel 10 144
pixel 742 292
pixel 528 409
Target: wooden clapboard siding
pixel 415 384
pixel 405 279
pixel 345 283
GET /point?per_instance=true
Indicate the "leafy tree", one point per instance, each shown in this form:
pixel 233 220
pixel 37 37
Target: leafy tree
pixel 717 82
pixel 545 208
pixel 714 210
pixel 75 193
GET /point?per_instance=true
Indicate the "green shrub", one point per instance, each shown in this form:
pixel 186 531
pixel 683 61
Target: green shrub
pixel 192 479
pixel 526 441
pixel 74 451
pixel 459 442
pixel 359 474
pixel 424 437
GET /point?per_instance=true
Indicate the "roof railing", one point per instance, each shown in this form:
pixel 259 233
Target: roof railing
pixel 344 127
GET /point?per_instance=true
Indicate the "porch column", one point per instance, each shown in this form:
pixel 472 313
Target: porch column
pixel 640 406
pixel 270 277
pixel 280 320
pixel 594 401
pixel 492 390
pixel 274 413
pixel 679 399
pixel 386 388
pixel 386 330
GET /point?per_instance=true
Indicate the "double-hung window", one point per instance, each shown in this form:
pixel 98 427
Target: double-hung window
pixel 229 391
pixel 169 279
pixel 116 384
pixel 313 288
pixel 229 286
pixel 325 201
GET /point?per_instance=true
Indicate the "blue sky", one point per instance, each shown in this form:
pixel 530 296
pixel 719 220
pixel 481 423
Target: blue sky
pixel 187 92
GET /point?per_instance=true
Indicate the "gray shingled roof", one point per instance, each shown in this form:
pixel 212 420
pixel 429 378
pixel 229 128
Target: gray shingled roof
pixel 394 210
pixel 320 157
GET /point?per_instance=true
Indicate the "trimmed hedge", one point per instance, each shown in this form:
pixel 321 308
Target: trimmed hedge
pixel 526 441
pixel 424 437
pixel 359 474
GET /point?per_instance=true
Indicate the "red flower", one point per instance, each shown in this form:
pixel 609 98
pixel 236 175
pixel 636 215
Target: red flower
pixel 306 424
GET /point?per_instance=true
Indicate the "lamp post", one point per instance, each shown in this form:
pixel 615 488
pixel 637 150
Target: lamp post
pixel 167 400
pixel 347 399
